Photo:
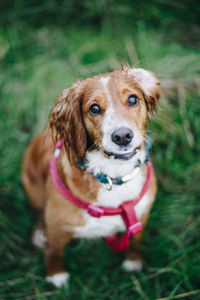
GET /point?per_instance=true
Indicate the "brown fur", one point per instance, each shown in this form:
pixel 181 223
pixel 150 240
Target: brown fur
pixel 70 120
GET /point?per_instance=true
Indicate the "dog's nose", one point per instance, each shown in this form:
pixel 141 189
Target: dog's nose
pixel 122 136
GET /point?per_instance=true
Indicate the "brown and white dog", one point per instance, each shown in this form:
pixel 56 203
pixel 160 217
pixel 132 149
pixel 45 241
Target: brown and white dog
pixel 103 120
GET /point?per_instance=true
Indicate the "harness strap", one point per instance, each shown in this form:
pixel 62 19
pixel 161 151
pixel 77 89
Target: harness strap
pixel 61 186
pixel 130 219
pixel 115 245
pixel 133 227
pixel 126 210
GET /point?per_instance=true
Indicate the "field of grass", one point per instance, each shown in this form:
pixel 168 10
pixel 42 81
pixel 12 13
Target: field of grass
pixel 36 64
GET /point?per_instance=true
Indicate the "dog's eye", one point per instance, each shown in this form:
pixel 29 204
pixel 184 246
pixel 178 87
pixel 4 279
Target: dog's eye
pixel 95 109
pixel 133 100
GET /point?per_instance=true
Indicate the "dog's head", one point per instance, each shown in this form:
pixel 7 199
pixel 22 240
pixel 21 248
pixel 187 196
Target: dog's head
pixel 106 112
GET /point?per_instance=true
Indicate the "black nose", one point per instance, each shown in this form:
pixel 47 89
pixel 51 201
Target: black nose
pixel 122 136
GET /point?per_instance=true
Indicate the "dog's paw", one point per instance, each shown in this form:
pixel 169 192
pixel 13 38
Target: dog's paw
pixel 132 265
pixel 59 279
pixel 39 239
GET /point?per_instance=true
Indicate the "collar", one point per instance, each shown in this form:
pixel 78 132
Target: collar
pixel 126 210
pixel 109 181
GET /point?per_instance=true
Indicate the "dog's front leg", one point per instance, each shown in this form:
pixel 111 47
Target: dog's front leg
pixel 54 259
pixel 133 260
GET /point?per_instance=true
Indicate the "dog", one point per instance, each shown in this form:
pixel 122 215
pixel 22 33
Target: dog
pixel 100 161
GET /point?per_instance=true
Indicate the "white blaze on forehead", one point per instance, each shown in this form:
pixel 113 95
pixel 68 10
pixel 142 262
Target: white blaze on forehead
pixel 104 82
pixel 145 79
pixel 113 120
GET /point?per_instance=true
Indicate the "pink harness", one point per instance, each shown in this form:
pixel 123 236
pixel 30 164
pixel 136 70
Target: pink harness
pixel 126 210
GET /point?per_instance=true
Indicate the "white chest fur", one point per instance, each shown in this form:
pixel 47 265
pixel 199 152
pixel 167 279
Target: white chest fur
pixel 108 225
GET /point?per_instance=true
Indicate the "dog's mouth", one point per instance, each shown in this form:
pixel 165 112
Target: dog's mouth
pixel 121 156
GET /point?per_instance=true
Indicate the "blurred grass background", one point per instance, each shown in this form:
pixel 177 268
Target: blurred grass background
pixel 44 47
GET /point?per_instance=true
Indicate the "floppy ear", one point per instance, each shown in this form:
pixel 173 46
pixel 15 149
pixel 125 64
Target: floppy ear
pixel 66 121
pixel 149 84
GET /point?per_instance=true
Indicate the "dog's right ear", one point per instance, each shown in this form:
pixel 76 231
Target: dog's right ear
pixel 149 84
pixel 67 123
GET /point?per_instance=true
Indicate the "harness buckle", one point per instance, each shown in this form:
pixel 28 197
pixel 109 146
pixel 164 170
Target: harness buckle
pixel 134 229
pixel 95 211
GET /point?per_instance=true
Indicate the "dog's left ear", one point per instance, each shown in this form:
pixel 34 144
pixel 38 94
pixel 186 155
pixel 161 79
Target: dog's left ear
pixel 66 121
pixel 149 84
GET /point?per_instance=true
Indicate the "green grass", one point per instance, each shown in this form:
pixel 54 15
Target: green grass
pixel 36 64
